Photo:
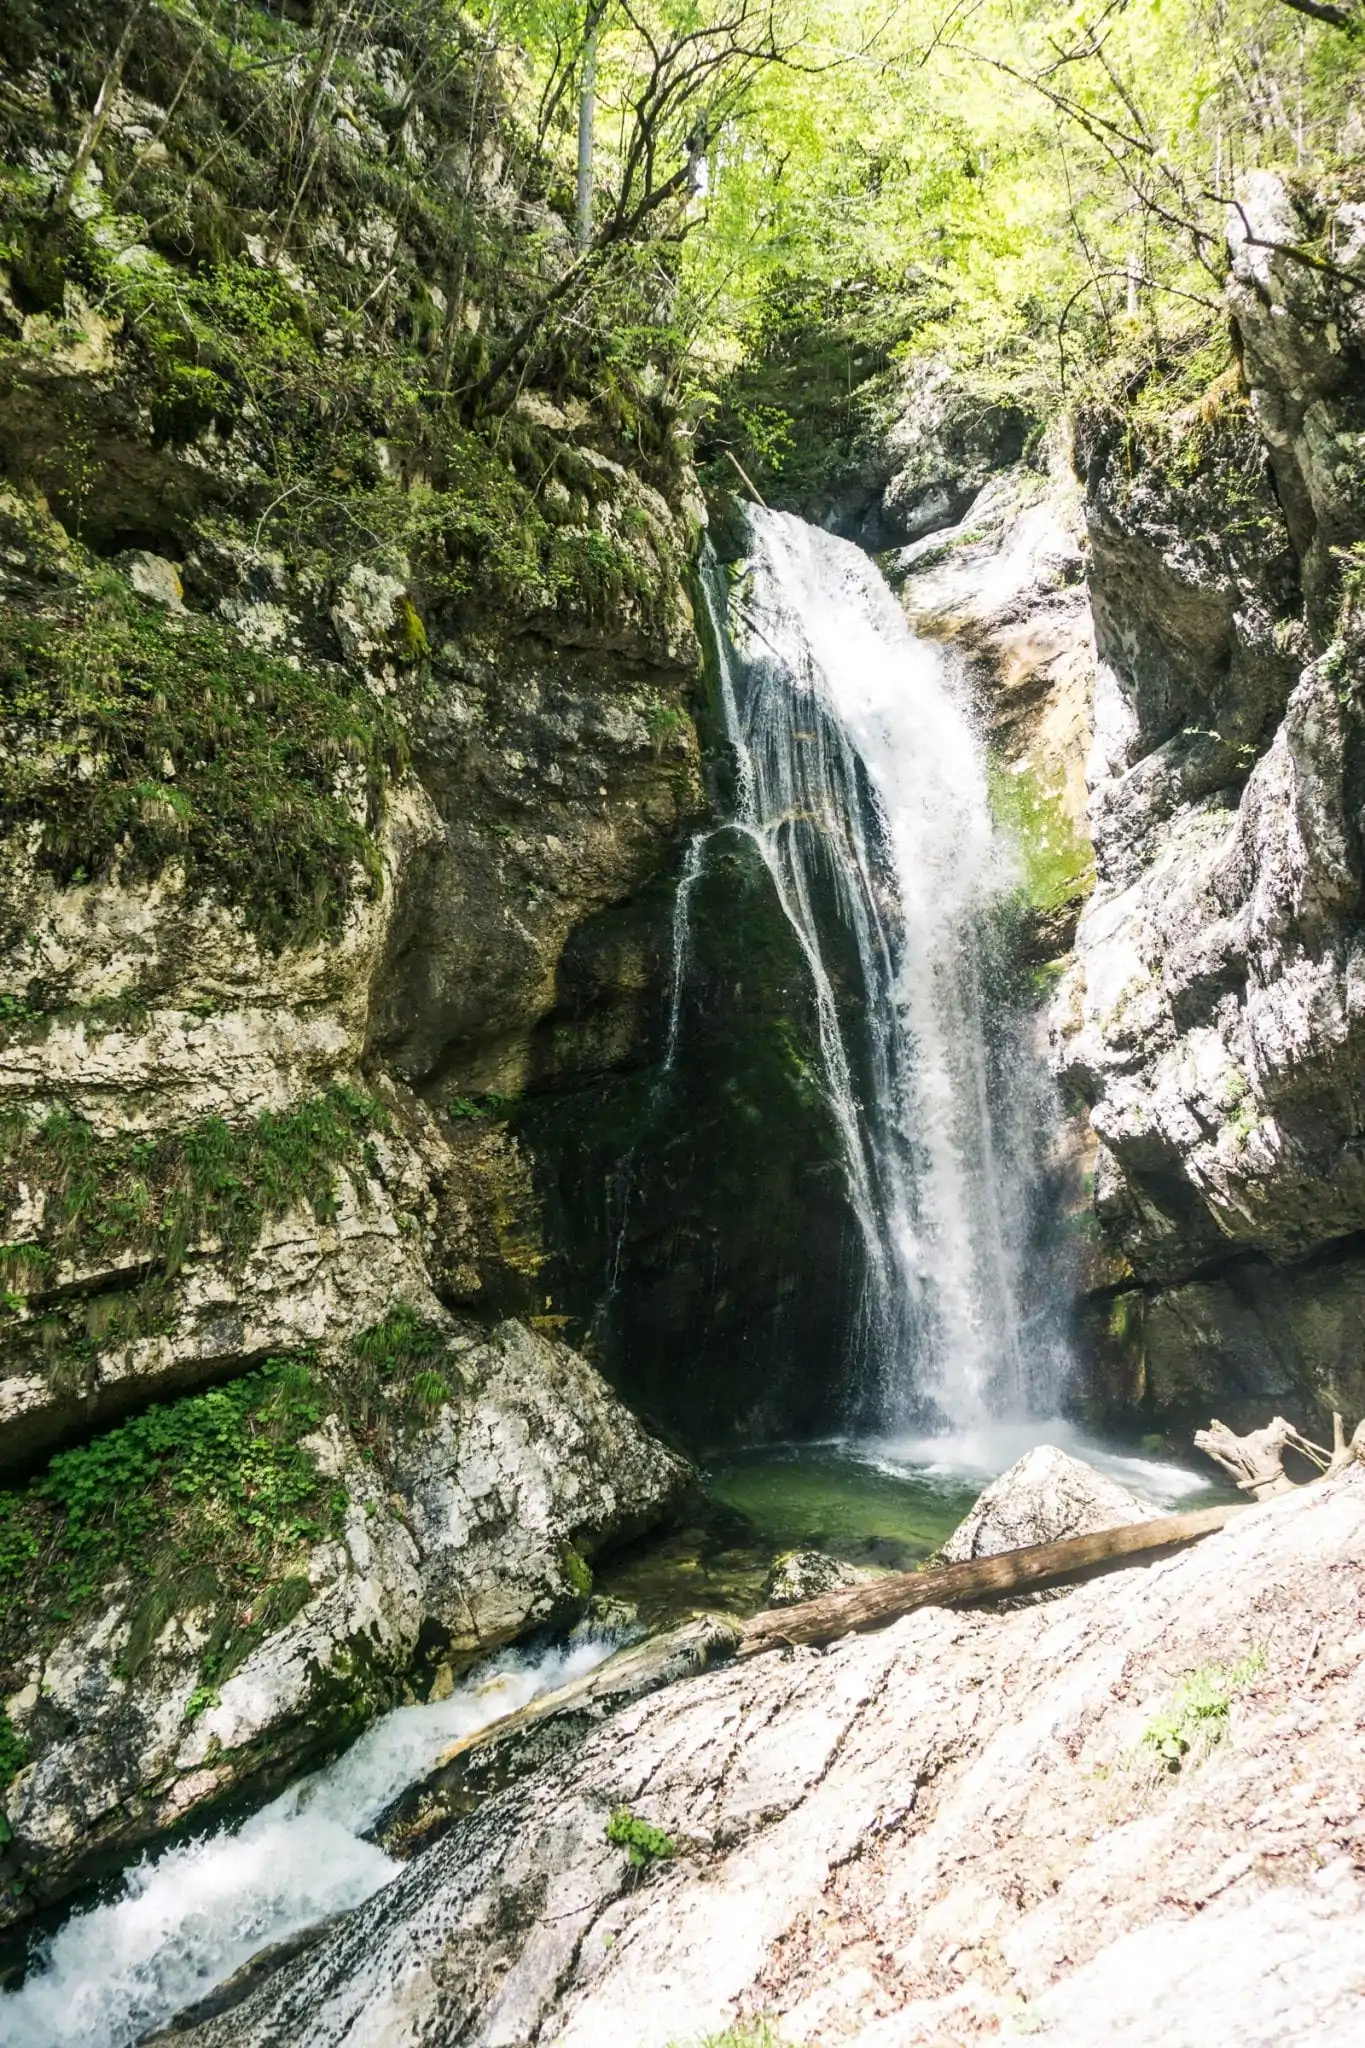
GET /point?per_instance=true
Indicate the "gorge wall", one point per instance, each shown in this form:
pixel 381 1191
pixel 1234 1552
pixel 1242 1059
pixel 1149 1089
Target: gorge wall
pixel 349 753
pixel 1159 613
pixel 351 750
pixel 1211 1021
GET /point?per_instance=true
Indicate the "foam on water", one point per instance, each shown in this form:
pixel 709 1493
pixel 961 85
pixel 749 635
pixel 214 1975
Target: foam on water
pixel 982 1454
pixel 186 1919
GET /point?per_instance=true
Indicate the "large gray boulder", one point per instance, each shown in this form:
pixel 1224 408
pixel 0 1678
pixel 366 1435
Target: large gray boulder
pixel 475 1527
pixel 1045 1496
pixel 520 1479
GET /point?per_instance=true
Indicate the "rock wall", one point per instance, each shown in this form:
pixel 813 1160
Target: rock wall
pixel 1210 1022
pixel 1159 614
pixel 346 746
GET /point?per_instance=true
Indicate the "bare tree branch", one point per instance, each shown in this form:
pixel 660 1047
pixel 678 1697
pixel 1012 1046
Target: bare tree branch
pixel 1323 10
pixel 99 113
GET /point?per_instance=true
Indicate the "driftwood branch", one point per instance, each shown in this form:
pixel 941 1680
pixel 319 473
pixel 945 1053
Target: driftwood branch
pixel 1256 1461
pixel 1343 1453
pixel 883 1600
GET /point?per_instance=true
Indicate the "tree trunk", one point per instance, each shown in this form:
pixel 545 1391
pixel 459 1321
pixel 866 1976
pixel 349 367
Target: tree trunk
pixel 587 115
pixel 883 1600
pixel 99 113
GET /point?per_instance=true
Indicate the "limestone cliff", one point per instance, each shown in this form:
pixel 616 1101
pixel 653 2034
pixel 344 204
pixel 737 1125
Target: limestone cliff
pixel 332 717
pixel 1211 1021
pixel 1158 611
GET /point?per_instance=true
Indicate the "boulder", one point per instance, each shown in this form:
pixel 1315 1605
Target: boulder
pixel 799 1575
pixel 154 578
pixel 474 1528
pixel 1045 1496
pixel 519 1480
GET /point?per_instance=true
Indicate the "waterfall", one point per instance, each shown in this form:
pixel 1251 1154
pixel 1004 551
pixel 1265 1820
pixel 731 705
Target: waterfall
pixel 861 779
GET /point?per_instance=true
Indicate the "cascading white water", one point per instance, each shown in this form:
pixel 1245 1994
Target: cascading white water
pixel 862 781
pixel 186 1919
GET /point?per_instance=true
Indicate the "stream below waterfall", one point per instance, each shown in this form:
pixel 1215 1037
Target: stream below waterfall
pixel 183 1919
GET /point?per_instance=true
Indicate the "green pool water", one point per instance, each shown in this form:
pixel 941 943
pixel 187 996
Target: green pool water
pixel 793 1498
pixel 885 1503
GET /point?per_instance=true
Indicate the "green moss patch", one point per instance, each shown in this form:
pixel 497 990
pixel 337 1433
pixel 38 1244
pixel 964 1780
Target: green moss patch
pixel 134 740
pixel 211 1502
pixel 1055 862
pixel 13 1757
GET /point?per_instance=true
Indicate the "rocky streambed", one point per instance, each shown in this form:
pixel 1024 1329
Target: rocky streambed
pixel 1131 1814
pixel 1079 1814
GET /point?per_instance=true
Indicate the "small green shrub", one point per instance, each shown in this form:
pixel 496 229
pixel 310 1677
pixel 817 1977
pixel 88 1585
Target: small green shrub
pixel 1197 1718
pixel 744 2034
pixel 396 1381
pixel 642 1843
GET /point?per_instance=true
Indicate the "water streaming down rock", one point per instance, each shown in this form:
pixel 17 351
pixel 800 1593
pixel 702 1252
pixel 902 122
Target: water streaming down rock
pixel 862 781
pixel 185 1919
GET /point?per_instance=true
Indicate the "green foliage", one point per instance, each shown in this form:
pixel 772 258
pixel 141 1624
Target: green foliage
pixel 475 1108
pixel 217 1480
pixel 159 1195
pixel 578 1571
pixel 396 1381
pixel 642 1843
pixel 133 739
pixel 13 1750
pixel 1055 864
pixel 1197 1718
pixel 1035 194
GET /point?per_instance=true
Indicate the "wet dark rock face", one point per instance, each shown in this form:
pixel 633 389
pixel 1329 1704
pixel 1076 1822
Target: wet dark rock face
pixel 709 1195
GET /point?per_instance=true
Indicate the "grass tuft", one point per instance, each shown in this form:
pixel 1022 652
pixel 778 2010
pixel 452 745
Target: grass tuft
pixel 1197 1719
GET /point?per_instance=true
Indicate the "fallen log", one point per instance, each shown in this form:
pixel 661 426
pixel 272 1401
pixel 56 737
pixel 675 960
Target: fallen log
pixel 844 1611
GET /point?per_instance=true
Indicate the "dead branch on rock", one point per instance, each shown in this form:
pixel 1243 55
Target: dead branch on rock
pixel 842 1612
pixel 1343 1453
pixel 1256 1461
